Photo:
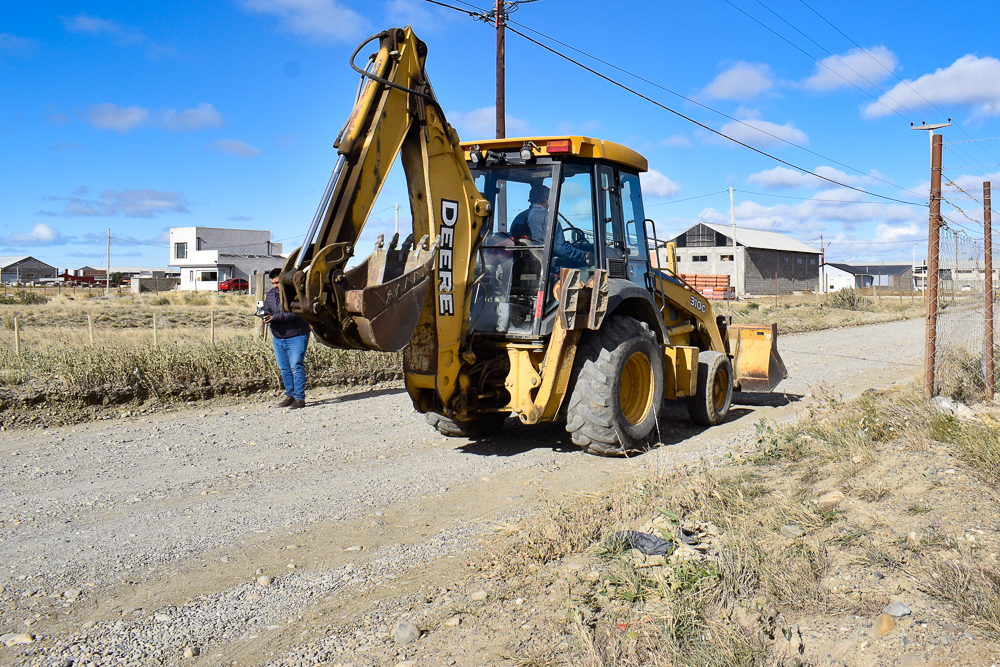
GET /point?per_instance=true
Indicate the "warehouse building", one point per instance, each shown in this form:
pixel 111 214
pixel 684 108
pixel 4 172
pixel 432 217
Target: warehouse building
pixel 24 269
pixel 761 263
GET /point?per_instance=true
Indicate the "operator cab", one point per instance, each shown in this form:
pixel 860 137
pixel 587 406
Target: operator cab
pixel 557 202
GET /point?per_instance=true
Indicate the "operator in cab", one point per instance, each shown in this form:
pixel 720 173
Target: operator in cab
pixel 531 224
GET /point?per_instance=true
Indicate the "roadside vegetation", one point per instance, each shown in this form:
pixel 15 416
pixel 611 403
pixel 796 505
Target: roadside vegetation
pixel 59 370
pixel 59 377
pixel 800 314
pixel 786 554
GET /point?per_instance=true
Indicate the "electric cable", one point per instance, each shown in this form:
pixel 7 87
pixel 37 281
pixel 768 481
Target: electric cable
pixel 672 92
pixel 809 55
pixel 702 125
pixel 905 83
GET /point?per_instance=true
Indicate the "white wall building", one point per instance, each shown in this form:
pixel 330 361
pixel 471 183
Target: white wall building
pixel 207 255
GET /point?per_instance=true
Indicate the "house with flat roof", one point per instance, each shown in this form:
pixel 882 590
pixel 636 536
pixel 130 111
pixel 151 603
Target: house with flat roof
pixel 205 256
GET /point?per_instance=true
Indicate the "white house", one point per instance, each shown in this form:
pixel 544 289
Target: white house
pixel 207 255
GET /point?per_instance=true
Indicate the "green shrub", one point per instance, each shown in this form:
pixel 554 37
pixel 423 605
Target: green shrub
pixel 161 301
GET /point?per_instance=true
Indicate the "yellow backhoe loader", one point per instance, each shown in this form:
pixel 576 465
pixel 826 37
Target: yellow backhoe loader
pixel 526 287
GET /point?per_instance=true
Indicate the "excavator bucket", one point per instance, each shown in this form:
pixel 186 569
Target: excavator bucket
pixel 374 305
pixel 756 363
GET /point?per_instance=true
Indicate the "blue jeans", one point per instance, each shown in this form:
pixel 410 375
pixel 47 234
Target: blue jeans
pixel 290 354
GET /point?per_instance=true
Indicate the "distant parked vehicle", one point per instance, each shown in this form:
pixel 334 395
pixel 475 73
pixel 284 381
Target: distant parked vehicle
pixel 234 285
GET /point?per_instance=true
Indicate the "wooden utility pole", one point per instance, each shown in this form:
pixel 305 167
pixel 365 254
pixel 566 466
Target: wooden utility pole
pixel 988 239
pixel 933 241
pixel 500 19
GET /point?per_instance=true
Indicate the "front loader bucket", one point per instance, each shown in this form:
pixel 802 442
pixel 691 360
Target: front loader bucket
pixel 756 363
pixel 373 306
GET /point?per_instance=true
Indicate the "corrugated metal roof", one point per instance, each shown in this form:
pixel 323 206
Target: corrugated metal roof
pixel 7 261
pixel 758 238
pixel 872 269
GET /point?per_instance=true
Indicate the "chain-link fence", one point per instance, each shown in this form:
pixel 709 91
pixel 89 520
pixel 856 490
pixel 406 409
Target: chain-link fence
pixel 961 355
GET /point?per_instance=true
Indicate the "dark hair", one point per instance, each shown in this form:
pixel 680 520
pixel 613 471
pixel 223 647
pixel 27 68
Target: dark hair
pixel 538 194
pixel 274 273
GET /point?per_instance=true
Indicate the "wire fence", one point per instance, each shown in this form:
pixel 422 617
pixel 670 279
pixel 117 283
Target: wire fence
pixel 962 352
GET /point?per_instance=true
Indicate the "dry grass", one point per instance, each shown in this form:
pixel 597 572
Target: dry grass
pixel 732 606
pixel 58 362
pixel 806 315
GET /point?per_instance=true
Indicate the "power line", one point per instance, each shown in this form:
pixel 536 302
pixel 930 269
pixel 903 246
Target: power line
pixel 702 125
pixel 678 201
pixel 811 57
pixel 970 141
pixel 695 102
pixel 832 201
pixel 905 83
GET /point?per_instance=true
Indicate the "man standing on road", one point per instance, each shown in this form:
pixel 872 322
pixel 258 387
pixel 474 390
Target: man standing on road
pixel 290 334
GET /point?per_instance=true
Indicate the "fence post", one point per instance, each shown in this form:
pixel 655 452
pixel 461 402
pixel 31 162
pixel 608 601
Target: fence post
pixel 933 243
pixel 988 238
pixel 212 324
pixel 260 329
pixel 90 329
pixel 155 341
pixel 17 337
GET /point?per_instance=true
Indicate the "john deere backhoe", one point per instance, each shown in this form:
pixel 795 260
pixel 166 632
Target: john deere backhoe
pixel 548 310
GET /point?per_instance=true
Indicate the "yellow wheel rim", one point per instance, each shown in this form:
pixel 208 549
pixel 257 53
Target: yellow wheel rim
pixel 720 389
pixel 636 390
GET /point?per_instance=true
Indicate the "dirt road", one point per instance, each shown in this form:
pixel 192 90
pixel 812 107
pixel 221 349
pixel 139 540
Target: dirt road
pixel 132 540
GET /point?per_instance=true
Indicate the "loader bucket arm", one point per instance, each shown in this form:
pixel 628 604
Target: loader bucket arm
pixel 753 349
pixel 414 294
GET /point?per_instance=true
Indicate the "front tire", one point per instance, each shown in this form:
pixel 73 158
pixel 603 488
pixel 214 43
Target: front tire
pixel 710 405
pixel 616 388
pixel 482 424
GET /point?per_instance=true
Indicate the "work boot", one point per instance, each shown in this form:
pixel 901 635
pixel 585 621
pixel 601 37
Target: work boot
pixel 286 402
pixel 296 404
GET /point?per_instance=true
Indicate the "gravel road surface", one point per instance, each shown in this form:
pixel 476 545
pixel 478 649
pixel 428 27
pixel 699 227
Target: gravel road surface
pixel 242 534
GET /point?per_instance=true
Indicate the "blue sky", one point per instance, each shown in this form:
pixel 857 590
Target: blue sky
pixel 139 117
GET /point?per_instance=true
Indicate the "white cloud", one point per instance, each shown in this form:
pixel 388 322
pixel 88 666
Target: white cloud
pixel 657 184
pixel 677 141
pixel 782 178
pixel 482 124
pixel 235 147
pixel 17 46
pixel 742 81
pixel 970 82
pixel 912 230
pixel 319 20
pixel 856 66
pixel 762 133
pixel 110 116
pixel 825 210
pixel 191 120
pixel 40 235
pixel 423 16
pixel 116 32
pixel 146 203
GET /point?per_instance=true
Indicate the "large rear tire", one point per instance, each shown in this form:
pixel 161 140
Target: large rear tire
pixel 616 388
pixel 710 405
pixel 482 424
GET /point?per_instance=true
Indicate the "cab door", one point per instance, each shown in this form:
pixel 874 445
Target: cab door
pixel 634 217
pixel 611 224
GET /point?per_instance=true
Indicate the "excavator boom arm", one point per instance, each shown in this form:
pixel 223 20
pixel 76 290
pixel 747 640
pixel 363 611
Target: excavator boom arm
pixel 416 294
